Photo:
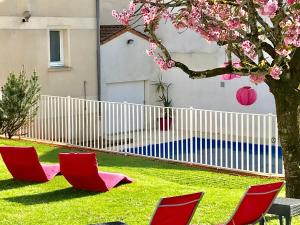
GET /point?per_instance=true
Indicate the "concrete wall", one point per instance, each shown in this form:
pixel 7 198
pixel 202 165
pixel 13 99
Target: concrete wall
pixel 43 8
pixel 28 44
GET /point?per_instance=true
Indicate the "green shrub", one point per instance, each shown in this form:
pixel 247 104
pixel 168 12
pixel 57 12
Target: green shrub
pixel 18 104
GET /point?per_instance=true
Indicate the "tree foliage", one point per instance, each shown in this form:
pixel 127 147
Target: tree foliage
pixel 18 103
pixel 261 39
pixel 262 34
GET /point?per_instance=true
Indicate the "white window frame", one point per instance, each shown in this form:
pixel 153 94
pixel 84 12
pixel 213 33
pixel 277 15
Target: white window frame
pixel 60 63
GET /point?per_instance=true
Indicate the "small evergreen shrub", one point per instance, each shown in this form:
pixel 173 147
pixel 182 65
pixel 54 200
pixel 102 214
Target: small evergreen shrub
pixel 18 102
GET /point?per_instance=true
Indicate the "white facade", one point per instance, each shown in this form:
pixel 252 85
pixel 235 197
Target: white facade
pixel 28 44
pixel 199 54
pixel 126 71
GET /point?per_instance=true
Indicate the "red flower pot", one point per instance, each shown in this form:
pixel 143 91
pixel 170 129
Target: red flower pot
pixel 165 124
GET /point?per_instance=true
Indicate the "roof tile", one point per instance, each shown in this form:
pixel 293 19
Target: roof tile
pixel 109 32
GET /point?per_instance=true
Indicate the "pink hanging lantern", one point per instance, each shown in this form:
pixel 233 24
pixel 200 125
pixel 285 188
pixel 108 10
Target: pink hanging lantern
pixel 230 76
pixel 246 95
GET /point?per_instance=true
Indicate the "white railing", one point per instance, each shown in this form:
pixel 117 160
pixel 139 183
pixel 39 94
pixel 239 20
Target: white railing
pixel 228 140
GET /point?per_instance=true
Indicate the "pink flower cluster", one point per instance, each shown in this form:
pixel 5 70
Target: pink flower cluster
pixel 275 72
pixel 257 78
pixel 268 8
pixel 291 32
pixel 195 18
pixel 163 65
pixel 291 2
pixel 249 49
pixel 233 23
pixel 149 13
pixel 125 16
pixel 167 15
pixel 283 51
pixel 150 52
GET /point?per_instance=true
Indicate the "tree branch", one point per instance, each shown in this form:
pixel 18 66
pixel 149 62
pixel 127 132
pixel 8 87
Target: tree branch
pixel 213 72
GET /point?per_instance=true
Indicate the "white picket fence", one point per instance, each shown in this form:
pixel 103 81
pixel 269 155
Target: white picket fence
pixel 227 140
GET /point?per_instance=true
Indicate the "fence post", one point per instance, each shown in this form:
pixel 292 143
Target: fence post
pixel 191 135
pixel 270 141
pixel 125 127
pixel 69 119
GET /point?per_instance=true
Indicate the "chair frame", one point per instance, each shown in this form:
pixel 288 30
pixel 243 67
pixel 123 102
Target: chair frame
pixel 246 193
pixel 174 205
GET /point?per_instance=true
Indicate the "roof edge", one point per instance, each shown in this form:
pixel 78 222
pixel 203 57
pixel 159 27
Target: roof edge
pixel 126 29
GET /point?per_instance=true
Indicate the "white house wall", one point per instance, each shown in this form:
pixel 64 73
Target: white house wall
pixel 122 63
pixel 30 48
pixel 27 44
pixel 184 41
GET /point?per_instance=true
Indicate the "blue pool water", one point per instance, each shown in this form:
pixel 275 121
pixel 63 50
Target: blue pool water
pixel 211 152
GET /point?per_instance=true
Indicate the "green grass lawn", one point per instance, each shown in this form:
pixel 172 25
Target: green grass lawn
pixel 56 202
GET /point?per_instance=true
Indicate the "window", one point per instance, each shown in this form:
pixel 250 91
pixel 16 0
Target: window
pixel 56 48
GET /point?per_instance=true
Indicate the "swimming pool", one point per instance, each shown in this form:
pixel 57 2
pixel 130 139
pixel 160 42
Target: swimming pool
pixel 225 154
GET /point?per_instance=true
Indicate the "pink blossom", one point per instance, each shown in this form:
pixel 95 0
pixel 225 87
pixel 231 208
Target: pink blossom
pixel 125 16
pixel 149 52
pixel 257 78
pixel 132 7
pixel 283 51
pixel 230 76
pixel 249 49
pixel 246 45
pixel 167 15
pixel 171 64
pixel 261 2
pixel 290 2
pixel 163 64
pixel 149 13
pixel 290 39
pixel 275 72
pixel 153 45
pixel 233 23
pixel 269 9
pixel 297 43
pixel 291 31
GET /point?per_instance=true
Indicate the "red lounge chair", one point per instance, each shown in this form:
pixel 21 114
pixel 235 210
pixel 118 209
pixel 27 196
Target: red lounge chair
pixel 23 164
pixel 176 210
pixel 81 170
pixel 255 204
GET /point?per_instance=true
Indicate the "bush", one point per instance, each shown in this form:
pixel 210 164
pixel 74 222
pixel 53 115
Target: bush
pixel 18 104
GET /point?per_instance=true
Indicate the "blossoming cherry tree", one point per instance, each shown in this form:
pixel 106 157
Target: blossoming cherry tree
pixel 262 34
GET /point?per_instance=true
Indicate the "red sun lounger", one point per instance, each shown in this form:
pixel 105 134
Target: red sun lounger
pixel 81 171
pixel 255 204
pixel 23 164
pixel 177 210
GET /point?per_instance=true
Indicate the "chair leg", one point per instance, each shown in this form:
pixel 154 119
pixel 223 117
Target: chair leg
pixel 288 220
pixel 280 220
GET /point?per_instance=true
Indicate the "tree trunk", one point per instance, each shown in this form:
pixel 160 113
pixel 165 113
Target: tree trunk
pixel 287 99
